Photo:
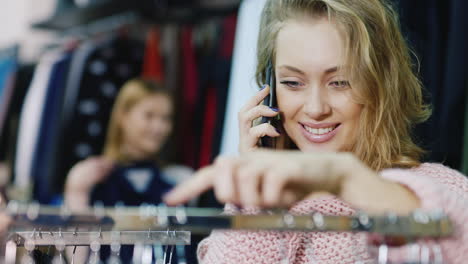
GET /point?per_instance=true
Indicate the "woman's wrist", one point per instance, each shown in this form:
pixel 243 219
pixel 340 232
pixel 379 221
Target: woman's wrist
pixel 76 199
pixel 366 190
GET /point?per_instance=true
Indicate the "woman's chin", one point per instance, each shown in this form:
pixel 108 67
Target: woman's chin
pixel 317 147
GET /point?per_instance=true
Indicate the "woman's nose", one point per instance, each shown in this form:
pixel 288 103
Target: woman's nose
pixel 316 105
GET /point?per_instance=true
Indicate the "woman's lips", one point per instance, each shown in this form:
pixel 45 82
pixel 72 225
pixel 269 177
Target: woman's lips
pixel 320 135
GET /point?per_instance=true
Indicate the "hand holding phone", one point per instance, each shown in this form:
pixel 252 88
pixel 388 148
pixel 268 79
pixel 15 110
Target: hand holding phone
pixel 270 101
pixel 262 108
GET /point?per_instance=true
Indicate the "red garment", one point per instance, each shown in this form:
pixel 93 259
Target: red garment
pixel 153 62
pixel 229 34
pixel 209 125
pixel 215 98
pixel 189 97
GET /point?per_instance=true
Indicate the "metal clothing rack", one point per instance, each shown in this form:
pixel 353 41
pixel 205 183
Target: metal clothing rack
pixel 204 220
pixel 84 238
pixel 157 226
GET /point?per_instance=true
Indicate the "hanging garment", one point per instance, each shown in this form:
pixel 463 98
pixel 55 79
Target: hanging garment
pixel 98 71
pixel 464 168
pixel 214 68
pixel 454 84
pixel 222 77
pixel 437 31
pixel 22 82
pixel 189 99
pixel 8 65
pixel 8 68
pixel 171 52
pixel 208 129
pixel 44 157
pixel 242 84
pixel 29 123
pixel 152 64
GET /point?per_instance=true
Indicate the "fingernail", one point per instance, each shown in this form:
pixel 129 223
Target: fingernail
pixel 263 87
pixel 274 109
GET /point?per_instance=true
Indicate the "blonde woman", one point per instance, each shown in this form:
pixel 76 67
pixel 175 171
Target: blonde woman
pixel 348 98
pixel 129 170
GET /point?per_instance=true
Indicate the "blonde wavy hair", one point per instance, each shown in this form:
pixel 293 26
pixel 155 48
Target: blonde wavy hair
pixel 132 92
pixel 380 66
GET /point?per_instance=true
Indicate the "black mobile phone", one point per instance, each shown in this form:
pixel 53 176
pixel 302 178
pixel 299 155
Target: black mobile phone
pixel 270 101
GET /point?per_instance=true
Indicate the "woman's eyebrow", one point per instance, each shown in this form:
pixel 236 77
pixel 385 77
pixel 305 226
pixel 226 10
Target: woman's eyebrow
pixel 332 70
pixel 294 69
pixel 291 68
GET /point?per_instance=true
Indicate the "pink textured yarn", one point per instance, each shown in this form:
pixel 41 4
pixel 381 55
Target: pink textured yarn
pixel 437 186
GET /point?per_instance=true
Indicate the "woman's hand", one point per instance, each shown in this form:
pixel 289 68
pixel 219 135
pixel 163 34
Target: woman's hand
pixel 5 222
pixel 86 174
pixel 249 135
pixel 82 179
pixel 280 179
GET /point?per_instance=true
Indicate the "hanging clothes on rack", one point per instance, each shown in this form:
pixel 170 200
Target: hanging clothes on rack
pixel 66 110
pixel 23 80
pixel 206 50
pixel 153 67
pixel 8 68
pixel 98 70
pixel 29 124
pixel 437 31
pixel 464 168
pixel 189 96
pixel 47 145
pixel 215 71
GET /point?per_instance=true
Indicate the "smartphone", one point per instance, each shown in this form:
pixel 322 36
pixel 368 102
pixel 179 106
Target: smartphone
pixel 270 101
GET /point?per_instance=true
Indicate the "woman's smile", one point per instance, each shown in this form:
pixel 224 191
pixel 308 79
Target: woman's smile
pixel 319 133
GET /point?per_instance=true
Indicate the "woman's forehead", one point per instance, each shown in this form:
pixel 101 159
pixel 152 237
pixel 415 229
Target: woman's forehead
pixel 310 44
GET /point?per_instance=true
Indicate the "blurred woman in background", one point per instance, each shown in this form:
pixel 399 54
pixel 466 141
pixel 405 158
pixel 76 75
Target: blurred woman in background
pixel 130 171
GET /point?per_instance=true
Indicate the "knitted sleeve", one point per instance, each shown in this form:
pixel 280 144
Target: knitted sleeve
pixel 440 187
pixel 243 246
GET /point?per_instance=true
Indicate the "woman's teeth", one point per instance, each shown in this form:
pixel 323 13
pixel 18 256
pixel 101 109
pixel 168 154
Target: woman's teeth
pixel 319 131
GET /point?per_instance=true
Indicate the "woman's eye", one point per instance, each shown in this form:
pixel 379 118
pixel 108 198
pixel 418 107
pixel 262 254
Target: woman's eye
pixel 340 84
pixel 292 84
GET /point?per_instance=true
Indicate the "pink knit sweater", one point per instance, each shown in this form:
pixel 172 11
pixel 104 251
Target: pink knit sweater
pixel 436 185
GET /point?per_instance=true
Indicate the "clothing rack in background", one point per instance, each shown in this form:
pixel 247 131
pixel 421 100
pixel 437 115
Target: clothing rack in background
pixel 87 72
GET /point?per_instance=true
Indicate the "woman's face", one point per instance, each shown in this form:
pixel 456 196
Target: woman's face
pixel 314 96
pixel 147 125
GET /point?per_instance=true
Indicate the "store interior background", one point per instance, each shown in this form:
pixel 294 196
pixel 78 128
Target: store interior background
pixel 204 32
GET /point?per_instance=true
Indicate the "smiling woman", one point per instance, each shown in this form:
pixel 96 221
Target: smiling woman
pixel 350 57
pixel 314 92
pixel 348 99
